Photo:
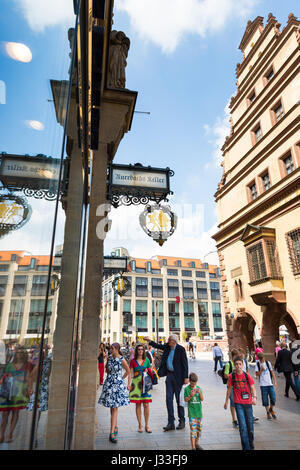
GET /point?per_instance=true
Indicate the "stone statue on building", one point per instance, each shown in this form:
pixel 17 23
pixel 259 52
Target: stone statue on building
pixel 118 52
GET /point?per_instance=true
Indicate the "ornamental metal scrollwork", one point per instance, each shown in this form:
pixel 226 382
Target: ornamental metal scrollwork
pixel 158 222
pixel 121 285
pixel 128 199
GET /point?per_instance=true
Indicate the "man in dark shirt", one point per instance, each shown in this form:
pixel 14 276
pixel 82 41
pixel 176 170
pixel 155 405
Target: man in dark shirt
pixel 174 366
pixel 284 364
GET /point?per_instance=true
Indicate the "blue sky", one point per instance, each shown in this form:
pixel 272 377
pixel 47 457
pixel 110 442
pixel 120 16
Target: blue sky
pixel 182 63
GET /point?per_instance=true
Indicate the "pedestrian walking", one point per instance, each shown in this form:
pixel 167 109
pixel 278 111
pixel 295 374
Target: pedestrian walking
pixel 139 366
pixel 218 356
pixel 101 360
pixel 131 350
pixel 229 368
pixel 267 383
pixel 114 393
pixel 174 366
pixel 258 348
pixel 284 364
pixel 244 394
pixel 295 355
pixel 15 390
pixel 241 353
pixel 191 350
pixel 193 396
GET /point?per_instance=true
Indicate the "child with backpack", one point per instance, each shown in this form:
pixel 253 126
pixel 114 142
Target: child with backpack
pixel 267 382
pixel 244 396
pixel 227 370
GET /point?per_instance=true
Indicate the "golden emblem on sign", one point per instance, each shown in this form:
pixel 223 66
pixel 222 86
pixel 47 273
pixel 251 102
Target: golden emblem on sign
pixel 14 213
pixel 158 222
pixel 121 285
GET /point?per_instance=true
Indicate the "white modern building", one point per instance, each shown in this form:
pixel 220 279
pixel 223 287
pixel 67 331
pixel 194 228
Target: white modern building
pixel 162 281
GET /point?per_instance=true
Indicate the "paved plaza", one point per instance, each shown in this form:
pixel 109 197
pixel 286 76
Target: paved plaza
pixel 217 434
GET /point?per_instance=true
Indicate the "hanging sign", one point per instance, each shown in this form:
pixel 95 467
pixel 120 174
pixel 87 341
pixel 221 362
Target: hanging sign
pixel 158 222
pixel 14 213
pixel 121 285
pixel 113 264
pixel 137 184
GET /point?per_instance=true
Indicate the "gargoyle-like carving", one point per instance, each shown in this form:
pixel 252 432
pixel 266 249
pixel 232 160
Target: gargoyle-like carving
pixel 119 47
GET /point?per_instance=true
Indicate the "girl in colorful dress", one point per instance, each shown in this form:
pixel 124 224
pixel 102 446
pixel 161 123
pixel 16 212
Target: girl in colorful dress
pixel 15 389
pixel 138 366
pixel 114 393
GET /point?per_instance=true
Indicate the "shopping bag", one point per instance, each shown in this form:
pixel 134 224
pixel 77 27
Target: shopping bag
pixel 181 398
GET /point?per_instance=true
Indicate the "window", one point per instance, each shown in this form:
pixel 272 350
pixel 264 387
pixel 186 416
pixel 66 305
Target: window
pixel 270 74
pixel 42 268
pixel 205 265
pixel 173 308
pixel 212 275
pixel 288 164
pixel 32 263
pixel 39 285
pixel 164 262
pixel 214 290
pixel 278 112
pixel 188 292
pixel 251 97
pixel 216 307
pixel 36 315
pixel 178 263
pixel 141 288
pixel 140 270
pixel 160 307
pixel 266 181
pixel 141 306
pixel 293 241
pixel 188 308
pixel 157 287
pixel 19 287
pixel 253 191
pixel 193 264
pixel 217 322
pixel 186 273
pixel 4 267
pixel 189 323
pixel 155 271
pixel 256 262
pixel 129 292
pixel 257 133
pixel 173 290
pixel 127 306
pixel 13 257
pixel 15 316
pixel 172 272
pixel 133 265
pixel 203 317
pixel 3 284
pixel 141 322
pixel 200 273
pixel 149 266
pixel 1 308
pixel 202 307
pixel 201 290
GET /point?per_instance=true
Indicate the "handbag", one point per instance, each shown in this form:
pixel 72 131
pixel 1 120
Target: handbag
pixel 6 387
pixel 147 382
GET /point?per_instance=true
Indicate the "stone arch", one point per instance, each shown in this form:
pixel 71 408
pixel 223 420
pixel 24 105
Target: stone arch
pixel 242 334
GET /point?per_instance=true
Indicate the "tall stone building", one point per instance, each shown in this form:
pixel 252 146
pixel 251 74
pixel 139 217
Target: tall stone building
pixel 258 198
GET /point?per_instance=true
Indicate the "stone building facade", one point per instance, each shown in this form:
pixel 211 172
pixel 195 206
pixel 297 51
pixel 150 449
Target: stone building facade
pixel 258 198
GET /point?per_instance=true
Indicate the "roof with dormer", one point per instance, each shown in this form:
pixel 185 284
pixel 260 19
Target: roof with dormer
pixel 250 30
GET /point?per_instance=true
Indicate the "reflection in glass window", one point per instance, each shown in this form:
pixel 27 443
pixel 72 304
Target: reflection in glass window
pixel 3 284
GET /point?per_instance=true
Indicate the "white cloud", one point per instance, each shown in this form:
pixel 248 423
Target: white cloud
pixel 41 14
pixel 216 137
pixel 165 22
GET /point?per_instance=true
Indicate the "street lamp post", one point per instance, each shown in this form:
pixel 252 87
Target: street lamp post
pixel 156 320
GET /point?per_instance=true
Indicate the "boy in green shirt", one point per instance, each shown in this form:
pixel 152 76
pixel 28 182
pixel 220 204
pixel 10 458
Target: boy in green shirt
pixel 193 396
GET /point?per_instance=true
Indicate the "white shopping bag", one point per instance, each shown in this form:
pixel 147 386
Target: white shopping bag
pixel 181 397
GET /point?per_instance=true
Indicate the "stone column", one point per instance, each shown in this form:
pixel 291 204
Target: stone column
pixel 85 426
pixel 62 340
pixel 270 330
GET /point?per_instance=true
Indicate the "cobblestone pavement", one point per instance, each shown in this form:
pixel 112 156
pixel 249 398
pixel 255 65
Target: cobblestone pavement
pixel 217 434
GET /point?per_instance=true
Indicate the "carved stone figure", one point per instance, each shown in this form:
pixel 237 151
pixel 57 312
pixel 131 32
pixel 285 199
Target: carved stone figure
pixel 119 47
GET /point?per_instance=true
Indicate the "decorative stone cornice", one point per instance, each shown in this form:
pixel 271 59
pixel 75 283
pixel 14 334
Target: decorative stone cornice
pixel 250 29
